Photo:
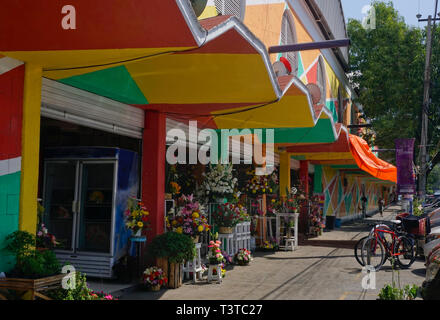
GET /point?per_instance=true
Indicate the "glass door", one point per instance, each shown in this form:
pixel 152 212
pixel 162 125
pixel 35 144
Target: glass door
pixel 59 201
pixel 96 198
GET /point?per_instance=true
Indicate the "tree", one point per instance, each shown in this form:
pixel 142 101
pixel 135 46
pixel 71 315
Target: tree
pixel 387 65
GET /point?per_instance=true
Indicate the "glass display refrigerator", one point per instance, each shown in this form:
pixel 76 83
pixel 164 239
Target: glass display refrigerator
pixel 85 196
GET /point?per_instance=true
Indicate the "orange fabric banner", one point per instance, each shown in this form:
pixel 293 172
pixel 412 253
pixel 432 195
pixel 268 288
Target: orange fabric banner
pixel 368 162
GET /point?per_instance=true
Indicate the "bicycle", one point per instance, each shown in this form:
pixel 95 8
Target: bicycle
pixel 400 249
pixel 359 244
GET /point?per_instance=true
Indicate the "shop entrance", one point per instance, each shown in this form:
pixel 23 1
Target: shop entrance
pixel 82 174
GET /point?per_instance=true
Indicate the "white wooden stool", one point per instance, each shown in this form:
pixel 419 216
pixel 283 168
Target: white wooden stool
pixel 194 266
pixel 218 276
pixel 290 244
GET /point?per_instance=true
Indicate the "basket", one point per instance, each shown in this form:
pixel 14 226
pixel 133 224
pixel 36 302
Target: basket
pixel 415 225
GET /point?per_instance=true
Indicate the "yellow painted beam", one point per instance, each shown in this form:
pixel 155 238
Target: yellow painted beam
pixel 284 173
pixel 30 148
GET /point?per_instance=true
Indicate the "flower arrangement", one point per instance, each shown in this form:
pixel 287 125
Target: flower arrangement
pixel 215 254
pixel 218 181
pixel 222 265
pixel 174 187
pixel 228 215
pixel 227 259
pixel 100 295
pixel 190 219
pixel 154 278
pixel 270 245
pixel 261 184
pixel 316 220
pixel 136 216
pixel 243 257
pixel 45 239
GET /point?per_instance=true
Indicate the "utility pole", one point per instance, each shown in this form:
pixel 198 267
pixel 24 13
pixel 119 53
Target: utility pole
pixel 425 108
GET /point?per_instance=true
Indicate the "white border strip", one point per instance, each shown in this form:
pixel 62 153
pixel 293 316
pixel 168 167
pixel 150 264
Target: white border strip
pixel 10 166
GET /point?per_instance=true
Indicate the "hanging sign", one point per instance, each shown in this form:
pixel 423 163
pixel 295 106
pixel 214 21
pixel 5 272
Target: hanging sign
pixel 404 164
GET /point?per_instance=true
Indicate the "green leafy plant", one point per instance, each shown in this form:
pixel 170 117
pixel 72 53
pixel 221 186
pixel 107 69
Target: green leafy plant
pixel 174 246
pixel 395 292
pixel 30 263
pixel 80 291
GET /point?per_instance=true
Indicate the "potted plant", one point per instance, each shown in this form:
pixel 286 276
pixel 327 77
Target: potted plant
pixel 226 217
pixel 45 240
pixel 190 219
pixel 154 278
pixel 219 182
pixel 243 257
pixel 170 250
pixel 215 255
pixel 136 217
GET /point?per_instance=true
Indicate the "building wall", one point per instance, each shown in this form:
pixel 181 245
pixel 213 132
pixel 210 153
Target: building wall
pixel 264 21
pixel 345 200
pixel 11 102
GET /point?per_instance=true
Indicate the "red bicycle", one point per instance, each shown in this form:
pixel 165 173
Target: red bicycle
pixel 392 244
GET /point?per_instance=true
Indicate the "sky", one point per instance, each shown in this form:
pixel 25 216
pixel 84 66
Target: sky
pixel 407 8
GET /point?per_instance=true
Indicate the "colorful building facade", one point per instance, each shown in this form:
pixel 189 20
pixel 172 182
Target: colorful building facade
pixel 115 80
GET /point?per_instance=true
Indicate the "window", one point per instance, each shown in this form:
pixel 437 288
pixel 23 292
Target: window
pixel 235 8
pixel 288 36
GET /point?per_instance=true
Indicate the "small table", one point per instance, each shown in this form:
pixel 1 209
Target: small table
pixel 138 241
pixel 194 266
pixel 218 276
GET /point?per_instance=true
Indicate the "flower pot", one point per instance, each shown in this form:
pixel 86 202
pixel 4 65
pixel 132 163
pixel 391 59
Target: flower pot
pixel 138 233
pixel 225 230
pixel 168 196
pixel 196 239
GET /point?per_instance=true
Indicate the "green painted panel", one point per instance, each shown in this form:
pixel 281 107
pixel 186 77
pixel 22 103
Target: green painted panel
pixel 317 177
pixel 332 107
pixel 300 65
pixel 322 132
pixel 326 202
pixel 9 213
pixel 340 191
pixel 348 202
pixel 114 83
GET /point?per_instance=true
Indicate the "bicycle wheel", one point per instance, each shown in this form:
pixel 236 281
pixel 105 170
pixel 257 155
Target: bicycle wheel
pixel 358 251
pixel 404 251
pixel 373 253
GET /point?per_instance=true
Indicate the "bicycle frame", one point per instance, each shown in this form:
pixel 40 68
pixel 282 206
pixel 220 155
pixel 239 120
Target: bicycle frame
pixel 389 249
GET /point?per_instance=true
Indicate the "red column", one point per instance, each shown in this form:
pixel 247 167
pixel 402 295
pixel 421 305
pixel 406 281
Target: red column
pixel 304 179
pixel 153 170
pixel 304 176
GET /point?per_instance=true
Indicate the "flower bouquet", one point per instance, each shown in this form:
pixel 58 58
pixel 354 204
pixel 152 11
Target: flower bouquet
pixel 228 215
pixel 215 254
pixel 222 265
pixel 136 217
pixel 101 296
pixel 154 278
pixel 269 246
pixel 190 219
pixel 45 240
pixel 243 257
pixel 219 182
pixel 261 184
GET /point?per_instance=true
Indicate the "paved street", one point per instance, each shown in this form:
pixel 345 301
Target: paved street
pixel 310 273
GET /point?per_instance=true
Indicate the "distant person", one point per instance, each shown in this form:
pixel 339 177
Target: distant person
pixel 381 204
pixel 364 202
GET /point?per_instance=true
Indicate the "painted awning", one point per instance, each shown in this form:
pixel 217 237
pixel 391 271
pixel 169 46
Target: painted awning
pixel 368 162
pixel 156 55
pixel 349 153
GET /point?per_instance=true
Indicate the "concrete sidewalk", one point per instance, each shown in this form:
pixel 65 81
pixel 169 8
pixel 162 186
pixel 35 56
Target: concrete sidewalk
pixel 312 272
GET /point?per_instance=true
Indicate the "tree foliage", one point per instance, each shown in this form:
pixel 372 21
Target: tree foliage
pixel 387 65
